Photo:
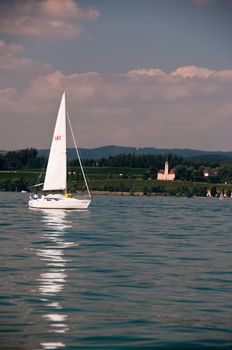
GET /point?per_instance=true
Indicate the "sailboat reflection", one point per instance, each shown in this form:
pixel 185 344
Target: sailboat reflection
pixel 52 282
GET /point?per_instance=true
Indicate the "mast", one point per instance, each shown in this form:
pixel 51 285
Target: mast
pixel 66 160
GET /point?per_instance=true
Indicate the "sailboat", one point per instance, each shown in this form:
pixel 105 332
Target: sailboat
pixel 221 195
pixel 55 193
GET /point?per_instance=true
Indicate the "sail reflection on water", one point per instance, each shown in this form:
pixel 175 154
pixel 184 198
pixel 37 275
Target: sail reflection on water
pixel 52 281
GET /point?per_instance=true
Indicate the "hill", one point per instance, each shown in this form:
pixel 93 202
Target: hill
pixel 108 151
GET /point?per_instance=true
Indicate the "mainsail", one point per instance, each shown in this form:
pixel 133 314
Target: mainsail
pixel 56 173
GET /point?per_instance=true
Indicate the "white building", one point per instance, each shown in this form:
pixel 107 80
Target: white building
pixel 165 174
pixel 210 172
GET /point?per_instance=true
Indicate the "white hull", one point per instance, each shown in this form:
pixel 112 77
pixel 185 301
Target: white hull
pixel 59 202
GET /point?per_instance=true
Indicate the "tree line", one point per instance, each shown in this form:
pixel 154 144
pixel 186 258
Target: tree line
pixel 22 159
pixel 185 169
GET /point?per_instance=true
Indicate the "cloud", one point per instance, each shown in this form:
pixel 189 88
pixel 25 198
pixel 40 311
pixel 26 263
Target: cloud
pixel 10 49
pixel 68 9
pixel 203 2
pixel 146 72
pixel 192 72
pixel 16 69
pixel 223 74
pixel 45 19
pixel 142 107
pixel 7 96
pixel 13 60
pixel 209 2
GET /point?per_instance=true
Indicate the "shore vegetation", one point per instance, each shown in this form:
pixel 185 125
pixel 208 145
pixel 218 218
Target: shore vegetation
pixel 126 173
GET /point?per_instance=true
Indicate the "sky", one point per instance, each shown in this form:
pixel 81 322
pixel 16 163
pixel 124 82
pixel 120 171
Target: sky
pixel 142 73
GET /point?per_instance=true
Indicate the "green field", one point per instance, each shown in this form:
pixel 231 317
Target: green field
pixel 130 180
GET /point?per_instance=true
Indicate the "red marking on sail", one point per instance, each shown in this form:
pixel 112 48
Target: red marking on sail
pixel 58 137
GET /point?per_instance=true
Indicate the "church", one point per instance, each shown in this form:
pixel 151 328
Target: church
pixel 165 174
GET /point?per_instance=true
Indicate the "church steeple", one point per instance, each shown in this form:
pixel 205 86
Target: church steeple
pixel 165 175
pixel 166 168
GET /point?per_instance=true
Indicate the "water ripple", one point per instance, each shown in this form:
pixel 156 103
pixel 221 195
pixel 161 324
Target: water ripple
pixel 128 273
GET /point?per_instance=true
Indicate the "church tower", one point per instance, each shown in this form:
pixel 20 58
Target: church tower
pixel 165 175
pixel 166 169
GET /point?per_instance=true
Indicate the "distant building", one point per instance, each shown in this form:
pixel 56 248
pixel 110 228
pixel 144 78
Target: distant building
pixel 210 172
pixel 165 174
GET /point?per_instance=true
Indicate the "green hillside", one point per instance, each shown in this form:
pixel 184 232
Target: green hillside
pixel 128 173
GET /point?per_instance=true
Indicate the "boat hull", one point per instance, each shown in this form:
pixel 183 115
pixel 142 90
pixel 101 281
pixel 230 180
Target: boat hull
pixel 59 203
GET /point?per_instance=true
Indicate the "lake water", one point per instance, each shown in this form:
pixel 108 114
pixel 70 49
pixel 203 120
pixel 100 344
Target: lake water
pixel 128 273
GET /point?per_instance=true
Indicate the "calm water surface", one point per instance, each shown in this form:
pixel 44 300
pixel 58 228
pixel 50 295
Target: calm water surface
pixel 129 273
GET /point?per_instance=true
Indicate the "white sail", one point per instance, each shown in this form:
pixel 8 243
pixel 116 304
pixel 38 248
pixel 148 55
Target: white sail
pixel 56 173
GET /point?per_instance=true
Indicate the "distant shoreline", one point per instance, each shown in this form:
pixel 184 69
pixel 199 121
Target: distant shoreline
pixel 119 193
pixel 129 194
